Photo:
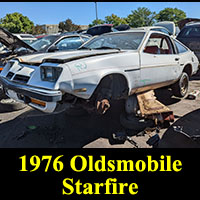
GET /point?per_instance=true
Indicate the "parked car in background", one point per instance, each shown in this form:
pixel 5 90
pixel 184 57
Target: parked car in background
pixel 17 47
pixel 59 42
pixel 101 29
pixel 170 26
pixel 28 38
pixel 190 36
pixel 154 28
pixel 40 36
pixel 110 67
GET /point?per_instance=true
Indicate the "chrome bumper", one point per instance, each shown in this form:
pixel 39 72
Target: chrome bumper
pixel 31 92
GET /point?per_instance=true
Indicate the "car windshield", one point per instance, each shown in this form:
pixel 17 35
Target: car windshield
pixel 126 41
pixel 44 42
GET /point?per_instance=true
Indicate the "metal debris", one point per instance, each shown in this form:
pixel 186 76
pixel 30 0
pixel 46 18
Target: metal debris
pixel 122 137
pixel 193 95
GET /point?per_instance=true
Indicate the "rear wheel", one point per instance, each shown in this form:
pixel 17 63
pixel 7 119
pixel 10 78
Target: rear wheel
pixel 180 88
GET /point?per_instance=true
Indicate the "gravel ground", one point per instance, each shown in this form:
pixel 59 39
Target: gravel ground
pixel 28 128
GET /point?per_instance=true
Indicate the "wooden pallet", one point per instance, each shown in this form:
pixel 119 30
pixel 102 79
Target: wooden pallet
pixel 152 108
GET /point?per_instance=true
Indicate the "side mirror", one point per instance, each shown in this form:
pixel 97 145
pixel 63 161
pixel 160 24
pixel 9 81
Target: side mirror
pixel 53 48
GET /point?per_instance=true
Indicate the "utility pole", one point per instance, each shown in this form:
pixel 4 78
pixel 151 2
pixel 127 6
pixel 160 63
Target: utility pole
pixel 96 11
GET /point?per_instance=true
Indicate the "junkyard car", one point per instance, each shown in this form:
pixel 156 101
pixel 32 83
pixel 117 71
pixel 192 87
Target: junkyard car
pixel 109 67
pixel 190 35
pixel 18 47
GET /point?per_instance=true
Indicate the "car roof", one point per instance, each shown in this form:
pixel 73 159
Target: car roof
pixel 192 24
pixel 144 30
pixel 148 28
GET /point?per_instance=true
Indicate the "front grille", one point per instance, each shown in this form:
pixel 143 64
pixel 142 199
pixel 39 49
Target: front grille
pixel 21 78
pixel 9 75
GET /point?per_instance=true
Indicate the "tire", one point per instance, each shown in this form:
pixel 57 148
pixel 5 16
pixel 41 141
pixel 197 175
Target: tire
pixel 9 105
pixel 135 123
pixel 180 88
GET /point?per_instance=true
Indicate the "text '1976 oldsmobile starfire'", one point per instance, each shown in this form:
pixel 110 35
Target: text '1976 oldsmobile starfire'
pixel 109 67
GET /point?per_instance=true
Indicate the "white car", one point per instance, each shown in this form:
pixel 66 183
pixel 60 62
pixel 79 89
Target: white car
pixel 28 38
pixel 109 67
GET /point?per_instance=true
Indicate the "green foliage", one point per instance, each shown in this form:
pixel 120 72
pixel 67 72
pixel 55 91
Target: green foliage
pixel 68 25
pixel 38 29
pixel 171 14
pixel 17 23
pixel 96 22
pixel 115 20
pixel 141 17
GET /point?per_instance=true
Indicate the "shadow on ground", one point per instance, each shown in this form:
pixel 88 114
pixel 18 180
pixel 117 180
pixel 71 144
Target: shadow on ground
pixel 36 130
pixel 191 127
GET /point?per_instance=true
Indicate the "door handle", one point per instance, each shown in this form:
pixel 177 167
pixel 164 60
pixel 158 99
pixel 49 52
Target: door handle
pixel 177 59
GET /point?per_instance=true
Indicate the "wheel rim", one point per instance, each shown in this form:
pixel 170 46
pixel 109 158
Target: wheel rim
pixel 184 85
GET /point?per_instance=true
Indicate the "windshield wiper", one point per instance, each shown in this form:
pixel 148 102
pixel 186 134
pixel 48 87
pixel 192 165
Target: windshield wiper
pixel 106 47
pixel 87 48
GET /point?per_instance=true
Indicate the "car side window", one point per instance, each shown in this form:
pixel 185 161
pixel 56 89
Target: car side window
pixel 159 44
pixel 180 48
pixel 70 43
pixel 85 39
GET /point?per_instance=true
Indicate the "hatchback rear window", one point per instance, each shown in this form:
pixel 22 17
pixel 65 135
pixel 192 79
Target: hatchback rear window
pixel 190 32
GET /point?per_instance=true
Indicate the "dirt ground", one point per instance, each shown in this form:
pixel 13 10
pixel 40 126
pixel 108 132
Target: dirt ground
pixel 29 128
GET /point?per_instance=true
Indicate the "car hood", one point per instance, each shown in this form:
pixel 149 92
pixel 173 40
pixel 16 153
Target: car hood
pixel 63 57
pixel 12 42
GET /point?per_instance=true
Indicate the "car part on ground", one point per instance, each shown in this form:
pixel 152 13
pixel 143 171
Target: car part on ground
pixel 121 137
pixel 10 105
pixel 151 108
pixel 193 95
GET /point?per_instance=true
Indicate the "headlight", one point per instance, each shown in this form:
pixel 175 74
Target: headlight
pixel 50 74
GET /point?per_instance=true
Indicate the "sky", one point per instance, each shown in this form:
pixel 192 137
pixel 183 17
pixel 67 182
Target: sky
pixel 83 13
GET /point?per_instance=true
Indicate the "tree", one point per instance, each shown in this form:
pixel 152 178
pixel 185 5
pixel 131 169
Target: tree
pixel 171 14
pixel 38 29
pixel 68 25
pixel 17 23
pixel 141 17
pixel 97 22
pixel 115 20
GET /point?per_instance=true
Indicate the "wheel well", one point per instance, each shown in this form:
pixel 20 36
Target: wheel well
pixel 115 85
pixel 188 69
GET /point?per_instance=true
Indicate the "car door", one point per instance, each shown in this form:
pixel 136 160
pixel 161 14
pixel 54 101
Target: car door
pixel 159 63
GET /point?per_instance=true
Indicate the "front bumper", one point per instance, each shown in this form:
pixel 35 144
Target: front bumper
pixel 24 93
